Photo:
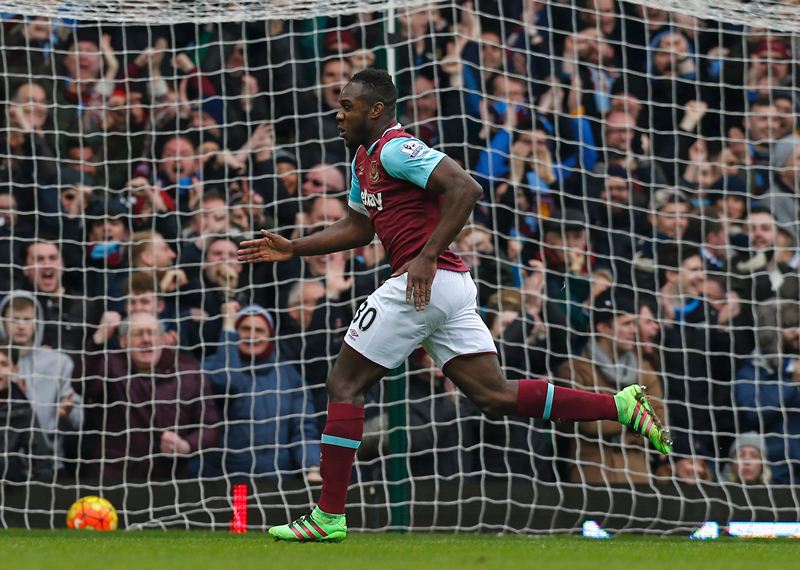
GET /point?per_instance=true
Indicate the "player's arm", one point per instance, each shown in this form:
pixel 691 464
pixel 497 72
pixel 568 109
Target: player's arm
pixel 461 193
pixel 353 231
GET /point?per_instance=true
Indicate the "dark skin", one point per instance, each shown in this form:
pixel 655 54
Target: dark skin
pixel 361 122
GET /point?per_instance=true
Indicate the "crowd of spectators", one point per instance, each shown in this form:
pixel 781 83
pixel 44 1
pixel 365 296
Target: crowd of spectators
pixel 639 223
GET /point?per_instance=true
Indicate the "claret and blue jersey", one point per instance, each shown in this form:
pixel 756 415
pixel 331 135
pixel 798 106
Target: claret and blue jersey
pixel 388 185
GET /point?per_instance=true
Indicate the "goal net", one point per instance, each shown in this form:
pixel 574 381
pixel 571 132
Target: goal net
pixel 639 224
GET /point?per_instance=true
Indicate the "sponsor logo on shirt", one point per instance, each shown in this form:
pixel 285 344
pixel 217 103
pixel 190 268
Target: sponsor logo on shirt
pixel 412 148
pixel 372 200
pixel 352 333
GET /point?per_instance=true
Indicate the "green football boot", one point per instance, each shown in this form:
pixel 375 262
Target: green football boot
pixel 635 411
pixel 316 527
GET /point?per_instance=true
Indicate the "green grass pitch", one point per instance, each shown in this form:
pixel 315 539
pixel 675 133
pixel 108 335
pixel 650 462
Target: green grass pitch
pixel 197 550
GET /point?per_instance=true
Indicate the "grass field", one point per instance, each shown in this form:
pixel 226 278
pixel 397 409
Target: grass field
pixel 195 550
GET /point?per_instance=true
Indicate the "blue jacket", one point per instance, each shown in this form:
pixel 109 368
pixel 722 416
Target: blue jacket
pixel 269 423
pixel 493 162
pixel 769 403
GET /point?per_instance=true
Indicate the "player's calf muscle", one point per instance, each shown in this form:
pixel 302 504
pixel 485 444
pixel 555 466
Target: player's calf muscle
pixel 498 402
pixel 344 392
pixel 350 378
pixel 482 380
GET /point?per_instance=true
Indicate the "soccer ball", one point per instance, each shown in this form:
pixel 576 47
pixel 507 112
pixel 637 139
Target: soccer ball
pixel 92 513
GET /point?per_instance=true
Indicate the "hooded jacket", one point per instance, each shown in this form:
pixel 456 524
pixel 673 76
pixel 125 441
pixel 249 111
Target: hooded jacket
pixel 268 416
pixel 48 375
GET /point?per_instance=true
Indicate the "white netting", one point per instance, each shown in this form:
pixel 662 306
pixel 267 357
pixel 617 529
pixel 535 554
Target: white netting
pixel 181 11
pixel 617 144
pixel 772 15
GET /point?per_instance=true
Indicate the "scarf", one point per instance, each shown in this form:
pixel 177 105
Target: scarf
pixel 622 372
pixel 109 253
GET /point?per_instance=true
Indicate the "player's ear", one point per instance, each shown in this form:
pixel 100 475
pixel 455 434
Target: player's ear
pixel 376 110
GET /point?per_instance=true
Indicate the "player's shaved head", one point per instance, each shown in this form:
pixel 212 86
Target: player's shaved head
pixel 366 107
pixel 377 87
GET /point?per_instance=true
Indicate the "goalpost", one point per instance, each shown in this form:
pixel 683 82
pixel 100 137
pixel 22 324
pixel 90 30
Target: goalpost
pixel 647 148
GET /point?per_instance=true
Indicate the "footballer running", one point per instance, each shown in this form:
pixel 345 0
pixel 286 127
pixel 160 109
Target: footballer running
pixel 416 199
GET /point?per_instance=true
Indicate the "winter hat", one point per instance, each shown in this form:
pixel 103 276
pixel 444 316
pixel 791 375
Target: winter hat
pixel 259 311
pixel 256 311
pixel 782 150
pixel 283 155
pixel 612 303
pixel 748 439
pixel 337 41
pixel 618 171
pixel 664 196
pixel 776 47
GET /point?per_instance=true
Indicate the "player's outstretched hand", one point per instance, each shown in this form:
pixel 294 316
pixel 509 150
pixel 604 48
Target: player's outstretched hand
pixel 270 247
pixel 421 271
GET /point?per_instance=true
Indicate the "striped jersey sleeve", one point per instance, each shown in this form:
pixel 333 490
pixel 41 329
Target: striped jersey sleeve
pixel 410 159
pixel 354 199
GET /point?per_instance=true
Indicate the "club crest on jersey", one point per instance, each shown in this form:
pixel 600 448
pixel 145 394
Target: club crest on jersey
pixel 372 200
pixel 373 171
pixel 412 148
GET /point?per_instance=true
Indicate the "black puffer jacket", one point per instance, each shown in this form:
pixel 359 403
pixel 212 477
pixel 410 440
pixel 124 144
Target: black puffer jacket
pixel 25 454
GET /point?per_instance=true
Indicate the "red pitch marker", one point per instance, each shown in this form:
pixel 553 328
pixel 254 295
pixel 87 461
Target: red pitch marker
pixel 239 523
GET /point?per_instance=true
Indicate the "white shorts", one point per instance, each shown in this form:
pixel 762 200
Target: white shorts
pixel 386 329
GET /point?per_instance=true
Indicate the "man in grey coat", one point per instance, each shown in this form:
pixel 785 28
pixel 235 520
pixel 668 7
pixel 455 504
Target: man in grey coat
pixel 47 373
pixel 783 197
pixel 23 449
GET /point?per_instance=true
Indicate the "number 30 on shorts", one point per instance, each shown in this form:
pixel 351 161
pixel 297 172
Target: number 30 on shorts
pixel 365 316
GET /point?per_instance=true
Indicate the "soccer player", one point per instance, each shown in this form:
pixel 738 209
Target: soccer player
pixel 417 200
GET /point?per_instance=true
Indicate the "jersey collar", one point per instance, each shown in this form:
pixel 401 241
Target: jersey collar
pixel 393 127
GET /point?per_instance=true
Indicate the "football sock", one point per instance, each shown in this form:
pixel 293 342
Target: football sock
pixel 340 440
pixel 541 399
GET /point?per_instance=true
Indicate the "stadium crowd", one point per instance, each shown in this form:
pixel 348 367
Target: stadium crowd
pixel 639 224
